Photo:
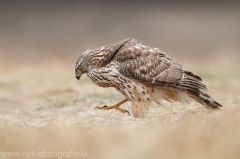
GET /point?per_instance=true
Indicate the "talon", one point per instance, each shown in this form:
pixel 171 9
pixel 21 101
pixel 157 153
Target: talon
pixel 97 107
pixel 104 107
pixel 127 112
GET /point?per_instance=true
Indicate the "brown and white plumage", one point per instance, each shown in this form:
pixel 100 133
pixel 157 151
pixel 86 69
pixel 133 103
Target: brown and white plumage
pixel 143 75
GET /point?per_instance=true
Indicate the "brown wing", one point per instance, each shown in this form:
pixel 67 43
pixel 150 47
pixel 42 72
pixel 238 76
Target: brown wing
pixel 151 65
pixel 147 64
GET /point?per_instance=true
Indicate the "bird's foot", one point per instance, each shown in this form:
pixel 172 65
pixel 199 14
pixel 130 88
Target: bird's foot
pixel 112 107
pixel 116 106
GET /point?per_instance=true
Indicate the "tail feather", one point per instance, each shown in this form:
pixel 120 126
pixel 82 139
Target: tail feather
pixel 204 99
pixel 197 90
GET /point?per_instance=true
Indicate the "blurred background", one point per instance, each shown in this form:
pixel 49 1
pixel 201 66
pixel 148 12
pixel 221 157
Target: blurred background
pixel 44 108
pixel 191 32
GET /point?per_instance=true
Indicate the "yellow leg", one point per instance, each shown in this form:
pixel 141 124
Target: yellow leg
pixel 115 106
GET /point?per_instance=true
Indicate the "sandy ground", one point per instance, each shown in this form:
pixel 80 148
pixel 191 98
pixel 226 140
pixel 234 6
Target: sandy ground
pixel 44 110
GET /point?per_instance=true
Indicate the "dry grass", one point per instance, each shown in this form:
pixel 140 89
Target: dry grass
pixel 44 108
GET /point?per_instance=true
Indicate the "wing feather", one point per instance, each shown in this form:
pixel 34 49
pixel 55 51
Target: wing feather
pixel 151 65
pixel 147 64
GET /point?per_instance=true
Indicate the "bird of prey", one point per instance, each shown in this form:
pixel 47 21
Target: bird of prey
pixel 143 74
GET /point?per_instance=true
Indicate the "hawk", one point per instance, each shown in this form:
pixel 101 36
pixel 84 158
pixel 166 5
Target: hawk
pixel 143 75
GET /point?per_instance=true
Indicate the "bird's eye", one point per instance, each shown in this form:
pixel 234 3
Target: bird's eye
pixel 80 67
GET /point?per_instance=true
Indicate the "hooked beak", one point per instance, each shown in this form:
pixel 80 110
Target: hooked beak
pixel 78 75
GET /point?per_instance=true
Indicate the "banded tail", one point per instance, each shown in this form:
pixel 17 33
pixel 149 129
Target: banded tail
pixel 198 91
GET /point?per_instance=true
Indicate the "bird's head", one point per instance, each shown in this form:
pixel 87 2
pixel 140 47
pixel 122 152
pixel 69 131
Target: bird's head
pixel 96 58
pixel 81 67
